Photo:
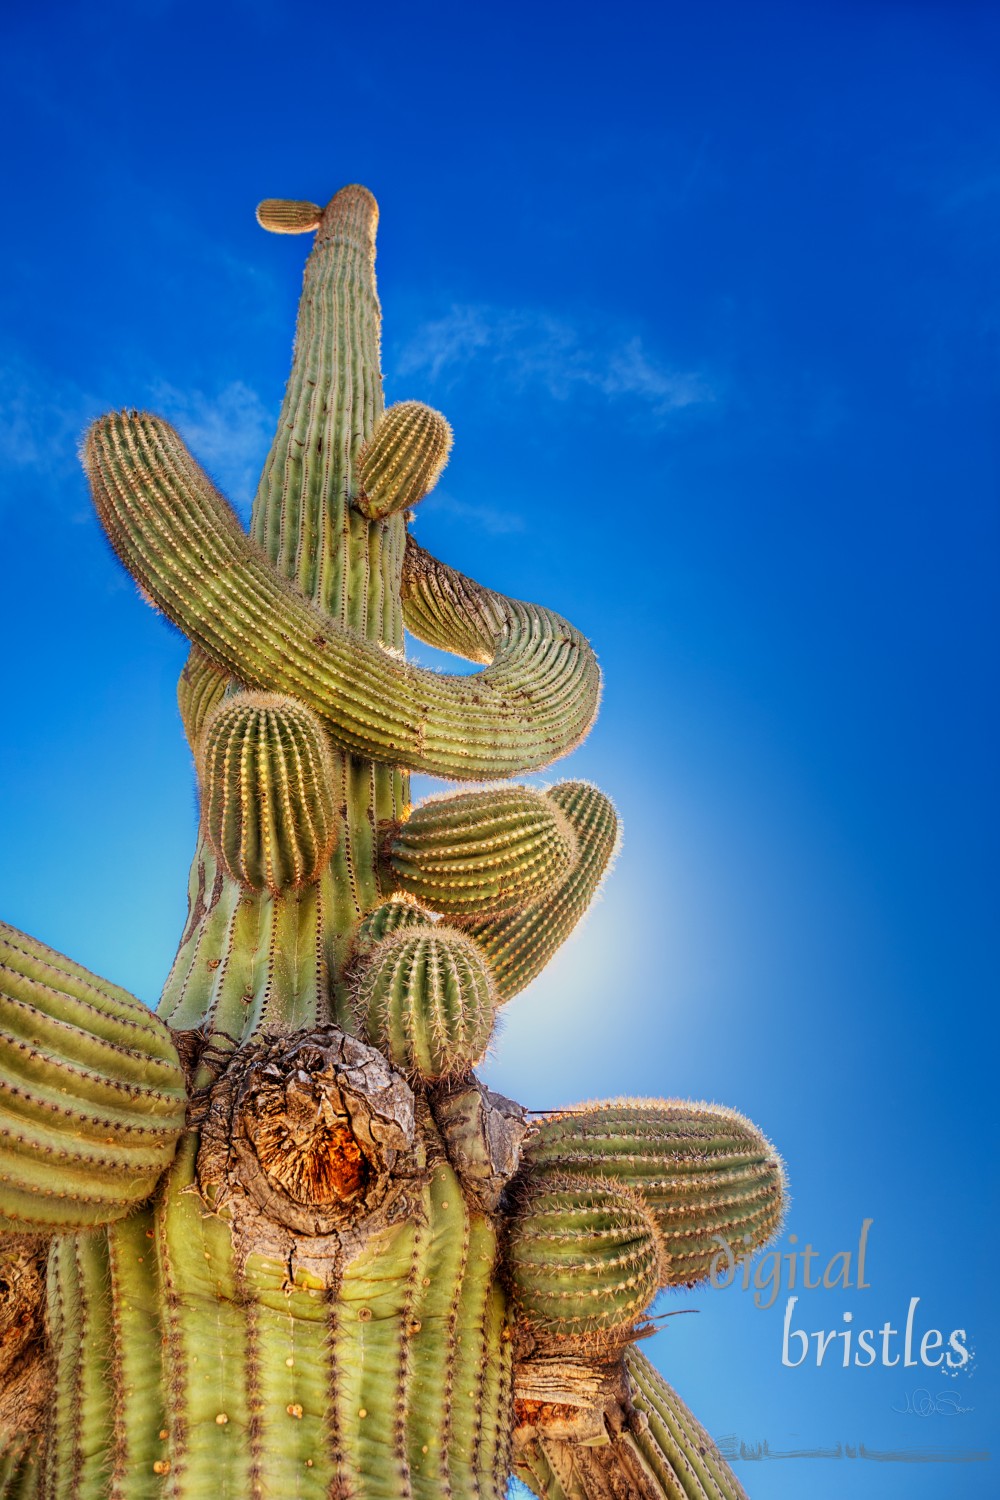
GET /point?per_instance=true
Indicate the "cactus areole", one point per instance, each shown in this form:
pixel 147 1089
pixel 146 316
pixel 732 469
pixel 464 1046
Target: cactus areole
pixel 277 1239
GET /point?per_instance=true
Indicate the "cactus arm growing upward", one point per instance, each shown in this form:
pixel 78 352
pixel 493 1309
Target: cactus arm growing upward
pixel 290 1244
pixel 183 544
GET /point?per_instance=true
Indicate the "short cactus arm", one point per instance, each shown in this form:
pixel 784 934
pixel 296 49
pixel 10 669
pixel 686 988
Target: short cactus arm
pixel 186 549
pixel 92 1094
pixel 708 1176
pixel 479 853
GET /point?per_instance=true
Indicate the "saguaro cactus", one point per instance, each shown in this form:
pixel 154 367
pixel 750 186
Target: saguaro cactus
pixel 278 1240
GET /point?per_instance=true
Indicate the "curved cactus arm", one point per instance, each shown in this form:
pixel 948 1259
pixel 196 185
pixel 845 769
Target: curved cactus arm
pixel 477 853
pixel 519 944
pixel 444 608
pixel 92 1093
pixel 184 546
pixel 709 1177
pixel 653 1449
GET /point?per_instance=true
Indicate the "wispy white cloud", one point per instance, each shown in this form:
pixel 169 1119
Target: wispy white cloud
pixel 42 421
pixel 525 348
pixel 229 432
pixel 490 519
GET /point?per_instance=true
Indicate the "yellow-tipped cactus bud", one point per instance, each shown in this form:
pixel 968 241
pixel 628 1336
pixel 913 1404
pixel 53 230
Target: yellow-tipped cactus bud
pixel 288 216
pixel 426 998
pixel 583 1258
pixel 384 920
pixel 402 460
pixel 268 800
pixel 482 852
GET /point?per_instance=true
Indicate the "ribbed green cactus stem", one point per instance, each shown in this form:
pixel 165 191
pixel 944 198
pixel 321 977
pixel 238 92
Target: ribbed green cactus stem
pixel 426 997
pixel 267 791
pixel 184 546
pixel 92 1094
pixel 707 1174
pixel 402 460
pixel 519 944
pixel 186 1370
pixel 481 852
pixel 672 1443
pixel 302 516
pixel 656 1450
pixel 288 215
pixel 583 1258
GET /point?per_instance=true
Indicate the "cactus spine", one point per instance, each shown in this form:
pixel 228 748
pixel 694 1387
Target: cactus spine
pixel 293 1245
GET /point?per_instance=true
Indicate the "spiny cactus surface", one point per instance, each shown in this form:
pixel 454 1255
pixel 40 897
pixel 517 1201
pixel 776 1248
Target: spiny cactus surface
pixel 278 1240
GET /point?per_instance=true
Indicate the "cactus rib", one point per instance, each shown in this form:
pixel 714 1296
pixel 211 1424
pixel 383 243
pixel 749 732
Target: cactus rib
pixel 478 853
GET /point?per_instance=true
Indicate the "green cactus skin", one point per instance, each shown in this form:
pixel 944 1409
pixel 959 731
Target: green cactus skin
pixel 519 944
pixel 403 459
pixel 265 1388
pixel 288 216
pixel 92 1095
pixel 267 778
pixel 287 1266
pixel 706 1173
pixel 383 920
pixel 583 1258
pixel 425 997
pixel 481 852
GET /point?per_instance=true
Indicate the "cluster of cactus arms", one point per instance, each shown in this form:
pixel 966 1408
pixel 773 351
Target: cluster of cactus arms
pixel 277 1239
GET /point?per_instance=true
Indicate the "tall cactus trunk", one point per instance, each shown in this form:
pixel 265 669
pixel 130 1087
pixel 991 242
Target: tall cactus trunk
pixel 291 1245
pixel 252 961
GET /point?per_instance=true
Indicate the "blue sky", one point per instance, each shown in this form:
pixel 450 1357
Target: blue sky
pixel 710 296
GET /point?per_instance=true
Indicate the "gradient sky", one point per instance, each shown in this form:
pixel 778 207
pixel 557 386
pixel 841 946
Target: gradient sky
pixel 710 295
